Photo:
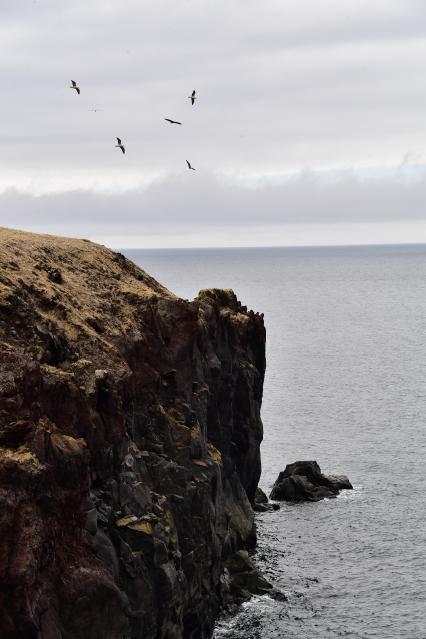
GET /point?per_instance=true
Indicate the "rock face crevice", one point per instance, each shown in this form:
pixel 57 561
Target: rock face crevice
pixel 129 445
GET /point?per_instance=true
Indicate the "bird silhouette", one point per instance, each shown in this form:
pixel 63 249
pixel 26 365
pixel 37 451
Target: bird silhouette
pixel 189 166
pixel 120 146
pixel 74 86
pixel 172 121
pixel 192 97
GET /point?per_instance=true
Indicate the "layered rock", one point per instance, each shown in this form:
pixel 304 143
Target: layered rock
pixel 129 445
pixel 304 481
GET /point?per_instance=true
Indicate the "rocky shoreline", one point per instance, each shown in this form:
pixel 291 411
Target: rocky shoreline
pixel 129 446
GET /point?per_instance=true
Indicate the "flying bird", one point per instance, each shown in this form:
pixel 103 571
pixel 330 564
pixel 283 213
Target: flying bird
pixel 192 97
pixel 189 166
pixel 172 121
pixel 74 86
pixel 120 146
pixel 95 110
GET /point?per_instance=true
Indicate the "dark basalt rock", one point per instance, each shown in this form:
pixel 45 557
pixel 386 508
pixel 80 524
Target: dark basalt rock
pixel 266 508
pixel 260 497
pixel 244 578
pixel 55 276
pixel 262 504
pixel 304 481
pixel 129 447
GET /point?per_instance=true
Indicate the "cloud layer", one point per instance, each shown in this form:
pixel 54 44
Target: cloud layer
pixel 191 206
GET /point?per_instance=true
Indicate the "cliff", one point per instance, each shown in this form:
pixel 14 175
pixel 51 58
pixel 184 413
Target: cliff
pixel 129 445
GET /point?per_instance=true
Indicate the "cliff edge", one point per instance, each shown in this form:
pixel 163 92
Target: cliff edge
pixel 129 445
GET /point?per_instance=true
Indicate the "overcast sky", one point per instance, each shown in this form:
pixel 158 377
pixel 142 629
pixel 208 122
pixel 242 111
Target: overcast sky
pixel 310 127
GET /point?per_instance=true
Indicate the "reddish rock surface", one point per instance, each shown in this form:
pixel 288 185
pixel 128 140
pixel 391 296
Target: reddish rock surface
pixel 129 445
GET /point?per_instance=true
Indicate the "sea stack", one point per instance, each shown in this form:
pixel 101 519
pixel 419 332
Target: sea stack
pixel 129 445
pixel 304 481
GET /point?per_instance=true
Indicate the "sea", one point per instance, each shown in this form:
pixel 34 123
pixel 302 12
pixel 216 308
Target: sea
pixel 345 386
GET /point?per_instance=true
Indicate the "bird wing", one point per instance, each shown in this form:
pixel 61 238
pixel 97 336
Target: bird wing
pixel 192 100
pixel 78 90
pixel 193 93
pixel 168 120
pixel 189 166
pixel 123 149
pixel 118 140
pixel 175 122
pixel 73 83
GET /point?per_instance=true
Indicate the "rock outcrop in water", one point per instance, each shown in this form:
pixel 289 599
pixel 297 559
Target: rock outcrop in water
pixel 304 481
pixel 262 504
pixel 129 445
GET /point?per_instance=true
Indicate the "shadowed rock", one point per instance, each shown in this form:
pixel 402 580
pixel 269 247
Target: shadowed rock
pixel 304 481
pixel 262 504
pixel 260 497
pixel 245 577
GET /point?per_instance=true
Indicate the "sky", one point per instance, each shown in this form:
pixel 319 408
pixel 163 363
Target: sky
pixel 309 127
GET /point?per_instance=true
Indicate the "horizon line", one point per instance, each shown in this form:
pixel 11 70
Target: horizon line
pixel 265 246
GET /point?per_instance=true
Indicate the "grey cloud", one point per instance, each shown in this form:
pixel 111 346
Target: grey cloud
pixel 197 202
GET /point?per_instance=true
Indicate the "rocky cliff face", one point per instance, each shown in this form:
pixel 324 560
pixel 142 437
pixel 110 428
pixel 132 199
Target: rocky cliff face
pixel 129 445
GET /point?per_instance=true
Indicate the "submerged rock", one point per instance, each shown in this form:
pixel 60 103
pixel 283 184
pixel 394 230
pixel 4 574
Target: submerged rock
pixel 129 445
pixel 304 481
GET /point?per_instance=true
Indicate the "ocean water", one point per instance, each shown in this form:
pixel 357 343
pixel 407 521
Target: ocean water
pixel 346 386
